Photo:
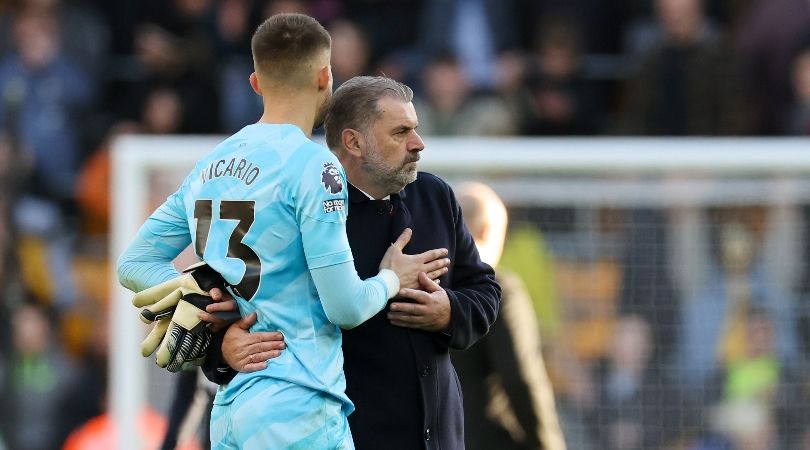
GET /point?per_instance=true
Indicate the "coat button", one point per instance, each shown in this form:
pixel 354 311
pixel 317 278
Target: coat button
pixel 381 210
pixel 425 371
pixel 427 434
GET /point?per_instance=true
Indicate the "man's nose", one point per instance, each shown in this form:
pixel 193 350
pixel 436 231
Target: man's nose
pixel 416 144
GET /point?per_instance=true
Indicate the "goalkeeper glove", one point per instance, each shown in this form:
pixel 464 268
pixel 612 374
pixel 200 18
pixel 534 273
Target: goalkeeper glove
pixel 179 336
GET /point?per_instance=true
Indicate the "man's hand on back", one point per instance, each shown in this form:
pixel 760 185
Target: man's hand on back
pixel 248 352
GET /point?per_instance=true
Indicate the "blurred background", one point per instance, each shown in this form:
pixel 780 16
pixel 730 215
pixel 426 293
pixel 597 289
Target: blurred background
pixel 665 324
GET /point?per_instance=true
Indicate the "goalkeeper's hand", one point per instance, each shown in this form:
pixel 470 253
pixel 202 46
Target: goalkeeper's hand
pixel 180 336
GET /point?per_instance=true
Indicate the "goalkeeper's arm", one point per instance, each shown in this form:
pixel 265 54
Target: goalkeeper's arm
pixel 148 260
pixel 139 268
pixel 349 301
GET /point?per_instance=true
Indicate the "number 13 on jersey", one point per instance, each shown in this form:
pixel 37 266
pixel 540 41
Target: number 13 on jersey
pixel 243 211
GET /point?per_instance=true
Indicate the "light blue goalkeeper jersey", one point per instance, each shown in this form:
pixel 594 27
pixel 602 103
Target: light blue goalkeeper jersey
pixel 263 208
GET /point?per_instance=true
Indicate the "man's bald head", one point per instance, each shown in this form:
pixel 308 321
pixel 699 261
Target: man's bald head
pixel 486 218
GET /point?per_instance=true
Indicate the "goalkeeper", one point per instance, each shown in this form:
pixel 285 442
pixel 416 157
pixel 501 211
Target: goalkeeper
pixel 267 210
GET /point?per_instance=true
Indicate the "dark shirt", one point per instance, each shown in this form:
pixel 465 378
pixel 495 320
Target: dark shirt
pixel 405 389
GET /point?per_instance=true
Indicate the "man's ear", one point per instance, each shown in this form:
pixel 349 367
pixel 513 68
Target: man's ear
pixel 353 141
pixel 325 78
pixel 254 83
pixel 482 234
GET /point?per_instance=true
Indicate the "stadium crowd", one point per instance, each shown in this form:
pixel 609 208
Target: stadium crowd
pixel 637 361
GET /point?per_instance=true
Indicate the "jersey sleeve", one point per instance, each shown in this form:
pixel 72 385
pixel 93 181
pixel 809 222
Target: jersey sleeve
pixel 321 203
pixel 147 261
pixel 349 301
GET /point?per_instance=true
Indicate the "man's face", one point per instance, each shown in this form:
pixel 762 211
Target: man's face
pixel 393 146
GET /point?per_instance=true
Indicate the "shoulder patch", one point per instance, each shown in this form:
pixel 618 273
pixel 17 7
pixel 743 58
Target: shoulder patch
pixel 330 178
pixel 334 205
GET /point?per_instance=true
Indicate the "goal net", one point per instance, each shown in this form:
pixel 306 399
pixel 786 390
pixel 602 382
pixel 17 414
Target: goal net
pixel 669 278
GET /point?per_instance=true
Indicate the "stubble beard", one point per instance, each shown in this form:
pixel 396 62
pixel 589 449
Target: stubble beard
pixel 392 177
pixel 320 114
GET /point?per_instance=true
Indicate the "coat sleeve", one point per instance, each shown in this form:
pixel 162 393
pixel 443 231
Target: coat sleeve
pixel 214 367
pixel 474 294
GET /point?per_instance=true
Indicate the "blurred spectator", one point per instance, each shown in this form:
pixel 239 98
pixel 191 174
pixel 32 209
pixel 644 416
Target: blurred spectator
pixel 162 112
pixel 761 379
pixel 649 301
pixel 187 22
pixel 350 51
pixel 233 24
pixel 688 85
pixel 42 93
pixel 86 394
pixel 175 49
pixel 477 32
pixel 508 398
pixel 240 106
pixel 602 22
pixel 449 106
pixel 768 39
pixel 630 408
pixel 391 26
pixel 35 380
pixel 646 34
pixel 556 98
pixel 84 36
pixel 647 288
pixel 713 332
pixel 799 121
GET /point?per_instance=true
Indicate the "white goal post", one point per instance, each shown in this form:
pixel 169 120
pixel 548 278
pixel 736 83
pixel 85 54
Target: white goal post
pixel 525 171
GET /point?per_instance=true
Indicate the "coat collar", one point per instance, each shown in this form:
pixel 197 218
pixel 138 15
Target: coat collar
pixel 358 196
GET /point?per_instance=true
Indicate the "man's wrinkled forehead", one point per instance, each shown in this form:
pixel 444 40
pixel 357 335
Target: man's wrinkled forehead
pixel 393 111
